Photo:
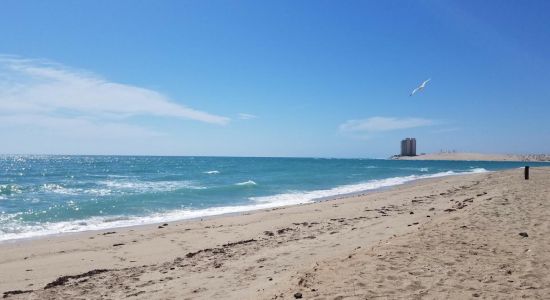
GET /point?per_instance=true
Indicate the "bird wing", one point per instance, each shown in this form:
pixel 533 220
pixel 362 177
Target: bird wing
pixel 414 91
pixel 426 81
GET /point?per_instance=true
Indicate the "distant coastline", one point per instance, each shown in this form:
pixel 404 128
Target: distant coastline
pixel 476 157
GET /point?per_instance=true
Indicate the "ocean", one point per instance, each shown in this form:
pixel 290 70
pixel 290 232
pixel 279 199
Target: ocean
pixel 43 195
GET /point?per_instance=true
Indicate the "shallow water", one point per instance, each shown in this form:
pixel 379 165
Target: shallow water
pixel 42 195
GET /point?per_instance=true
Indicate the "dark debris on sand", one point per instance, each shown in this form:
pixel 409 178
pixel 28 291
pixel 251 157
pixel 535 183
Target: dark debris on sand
pixel 64 279
pixel 16 292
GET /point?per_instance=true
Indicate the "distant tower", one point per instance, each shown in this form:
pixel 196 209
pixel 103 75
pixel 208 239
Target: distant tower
pixel 408 147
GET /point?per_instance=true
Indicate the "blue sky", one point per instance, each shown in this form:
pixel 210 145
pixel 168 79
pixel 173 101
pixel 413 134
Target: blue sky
pixel 273 78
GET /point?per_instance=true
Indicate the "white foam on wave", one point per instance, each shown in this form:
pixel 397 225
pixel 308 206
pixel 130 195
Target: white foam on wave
pixel 478 170
pixel 414 169
pixel 8 189
pixel 59 189
pixel 310 196
pixel 212 172
pixel 135 186
pixel 13 229
pixel 248 182
pixel 121 186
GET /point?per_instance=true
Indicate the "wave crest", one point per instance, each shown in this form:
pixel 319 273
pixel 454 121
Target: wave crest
pixel 246 183
pixel 135 186
pixel 12 228
pixel 9 189
pixel 310 196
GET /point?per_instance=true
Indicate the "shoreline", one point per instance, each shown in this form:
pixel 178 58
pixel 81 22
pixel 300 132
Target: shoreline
pixel 247 209
pixel 476 157
pixel 309 248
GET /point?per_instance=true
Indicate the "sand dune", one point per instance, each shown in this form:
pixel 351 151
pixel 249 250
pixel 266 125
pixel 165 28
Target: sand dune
pixel 455 237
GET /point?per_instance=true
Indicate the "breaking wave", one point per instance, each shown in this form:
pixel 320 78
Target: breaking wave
pixel 247 183
pixel 13 228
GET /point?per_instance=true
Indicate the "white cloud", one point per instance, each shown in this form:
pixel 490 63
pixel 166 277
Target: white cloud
pixel 244 116
pixel 75 128
pixel 379 124
pixel 31 87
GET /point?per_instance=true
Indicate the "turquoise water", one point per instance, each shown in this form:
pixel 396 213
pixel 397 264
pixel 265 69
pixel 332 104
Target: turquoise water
pixel 42 195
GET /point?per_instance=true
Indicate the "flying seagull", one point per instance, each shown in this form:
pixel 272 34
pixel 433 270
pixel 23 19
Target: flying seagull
pixel 421 87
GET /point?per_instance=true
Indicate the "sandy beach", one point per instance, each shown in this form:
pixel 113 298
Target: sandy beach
pixel 469 236
pixel 476 157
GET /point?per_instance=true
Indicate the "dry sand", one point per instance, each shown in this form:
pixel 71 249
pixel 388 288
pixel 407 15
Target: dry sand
pixel 476 157
pixel 455 237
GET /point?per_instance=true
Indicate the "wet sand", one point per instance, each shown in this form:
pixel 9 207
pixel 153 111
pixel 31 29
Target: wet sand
pixel 480 235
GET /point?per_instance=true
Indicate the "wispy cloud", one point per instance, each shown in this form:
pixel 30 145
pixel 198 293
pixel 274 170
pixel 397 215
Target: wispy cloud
pixel 46 89
pixel 380 124
pixel 244 116
pixel 75 127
